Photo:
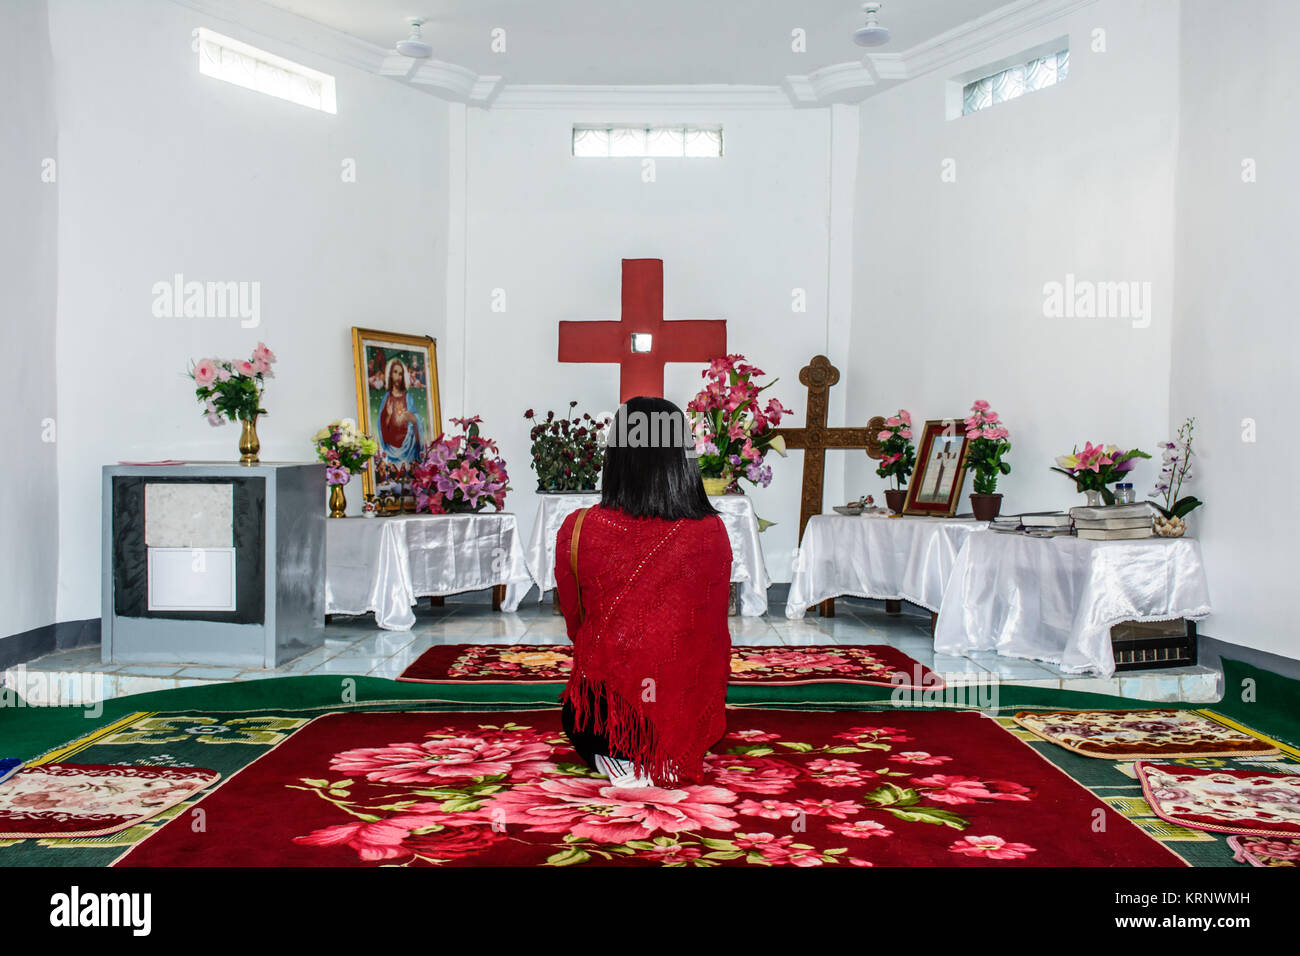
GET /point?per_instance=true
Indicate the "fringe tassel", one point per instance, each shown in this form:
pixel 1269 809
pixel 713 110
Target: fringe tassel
pixel 630 733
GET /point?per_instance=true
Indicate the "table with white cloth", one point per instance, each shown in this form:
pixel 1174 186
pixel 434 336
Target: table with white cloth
pixel 1056 599
pixel 383 565
pixel 890 558
pixel 748 569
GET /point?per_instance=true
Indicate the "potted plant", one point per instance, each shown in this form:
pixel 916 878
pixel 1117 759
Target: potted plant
pixel 1096 467
pixel 988 443
pixel 345 451
pixel 567 452
pixel 732 430
pixel 899 459
pixel 1175 468
pixel 232 389
pixel 460 473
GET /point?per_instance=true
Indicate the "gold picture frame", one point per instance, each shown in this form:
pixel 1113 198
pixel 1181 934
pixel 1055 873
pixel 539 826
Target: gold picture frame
pixel 403 417
pixel 940 472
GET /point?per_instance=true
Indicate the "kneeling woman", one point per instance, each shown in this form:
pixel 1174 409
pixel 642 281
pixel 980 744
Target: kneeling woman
pixel 643 580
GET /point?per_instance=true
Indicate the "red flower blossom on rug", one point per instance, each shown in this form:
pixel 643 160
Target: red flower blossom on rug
pixel 992 848
pixel 958 790
pixel 597 810
pixel 446 758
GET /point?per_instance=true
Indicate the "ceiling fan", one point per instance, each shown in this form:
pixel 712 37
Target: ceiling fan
pixel 413 46
pixel 872 33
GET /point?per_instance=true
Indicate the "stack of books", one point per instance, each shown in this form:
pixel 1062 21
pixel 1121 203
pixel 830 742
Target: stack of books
pixel 1113 522
pixel 1047 525
pixel 1039 524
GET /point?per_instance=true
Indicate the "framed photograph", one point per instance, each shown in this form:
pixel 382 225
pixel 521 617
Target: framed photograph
pixel 397 405
pixel 940 469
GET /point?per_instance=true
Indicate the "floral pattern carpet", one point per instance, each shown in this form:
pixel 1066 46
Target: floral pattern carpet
pixel 1222 799
pixel 68 800
pixel 785 788
pixel 1133 734
pixel 875 664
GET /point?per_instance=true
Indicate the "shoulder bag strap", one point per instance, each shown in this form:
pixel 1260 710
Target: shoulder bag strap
pixel 573 557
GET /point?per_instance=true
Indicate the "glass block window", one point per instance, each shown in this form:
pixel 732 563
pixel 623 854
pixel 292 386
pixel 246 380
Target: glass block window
pixel 692 142
pixel 1039 73
pixel 222 58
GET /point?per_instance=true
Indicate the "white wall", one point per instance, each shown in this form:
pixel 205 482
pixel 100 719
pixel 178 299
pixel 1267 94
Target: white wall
pixel 948 292
pixel 28 273
pixel 736 234
pixel 164 171
pixel 1236 343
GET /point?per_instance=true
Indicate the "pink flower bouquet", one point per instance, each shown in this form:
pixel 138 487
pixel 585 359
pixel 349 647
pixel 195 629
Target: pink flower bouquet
pixel 987 443
pixel 732 430
pixel 460 472
pixel 1098 466
pixel 900 454
pixel 232 388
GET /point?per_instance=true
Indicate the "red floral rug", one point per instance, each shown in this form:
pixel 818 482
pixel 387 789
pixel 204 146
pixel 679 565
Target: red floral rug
pixel 1223 800
pixel 67 800
pixel 792 788
pixel 877 664
pixel 1265 851
pixel 1130 734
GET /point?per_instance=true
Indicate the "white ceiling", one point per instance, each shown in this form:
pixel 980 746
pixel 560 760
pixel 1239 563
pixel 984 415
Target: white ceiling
pixel 621 42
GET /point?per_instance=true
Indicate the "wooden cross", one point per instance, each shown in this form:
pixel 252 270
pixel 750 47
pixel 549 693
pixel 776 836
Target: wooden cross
pixel 642 372
pixel 814 438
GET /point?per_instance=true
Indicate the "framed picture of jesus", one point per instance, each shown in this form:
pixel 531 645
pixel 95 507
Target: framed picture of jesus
pixel 397 406
pixel 940 469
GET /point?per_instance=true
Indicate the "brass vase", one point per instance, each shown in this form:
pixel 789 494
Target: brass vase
pixel 338 503
pixel 716 486
pixel 249 446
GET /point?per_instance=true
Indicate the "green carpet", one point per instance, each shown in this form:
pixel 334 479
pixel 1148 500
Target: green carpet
pixel 266 710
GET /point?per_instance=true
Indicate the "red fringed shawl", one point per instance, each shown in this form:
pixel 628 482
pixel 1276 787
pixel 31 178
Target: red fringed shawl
pixel 653 646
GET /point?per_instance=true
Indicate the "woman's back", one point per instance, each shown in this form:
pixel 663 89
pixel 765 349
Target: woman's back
pixel 651 645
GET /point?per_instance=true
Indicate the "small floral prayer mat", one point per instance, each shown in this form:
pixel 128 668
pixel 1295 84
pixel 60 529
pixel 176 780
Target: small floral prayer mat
pixel 1131 734
pixel 1265 851
pixel 787 788
pixel 876 664
pixel 70 800
pixel 1224 800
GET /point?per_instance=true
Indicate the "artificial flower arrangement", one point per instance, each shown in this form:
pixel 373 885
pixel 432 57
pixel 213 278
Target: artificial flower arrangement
pixel 1175 468
pixel 344 449
pixel 1098 466
pixel 987 444
pixel 232 388
pixel 900 454
pixel 567 452
pixel 460 472
pixel 732 430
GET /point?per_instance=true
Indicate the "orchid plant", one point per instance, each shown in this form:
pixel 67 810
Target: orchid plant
pixel 1098 466
pixel 987 443
pixel 567 452
pixel 732 430
pixel 344 449
pixel 900 454
pixel 1175 468
pixel 460 472
pixel 232 388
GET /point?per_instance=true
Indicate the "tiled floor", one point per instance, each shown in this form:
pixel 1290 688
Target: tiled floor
pixel 356 646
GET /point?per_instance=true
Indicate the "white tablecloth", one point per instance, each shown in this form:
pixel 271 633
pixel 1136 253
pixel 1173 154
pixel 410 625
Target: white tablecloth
pixel 748 568
pixel 904 558
pixel 384 564
pixel 1056 599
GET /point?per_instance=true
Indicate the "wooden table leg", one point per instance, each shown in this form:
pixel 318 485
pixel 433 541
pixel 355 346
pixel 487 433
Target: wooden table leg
pixel 556 610
pixel 827 608
pixel 329 618
pixel 934 619
pixel 498 596
pixel 733 600
pixel 893 607
pixel 437 600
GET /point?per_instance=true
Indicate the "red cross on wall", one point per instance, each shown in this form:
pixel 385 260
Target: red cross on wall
pixel 681 340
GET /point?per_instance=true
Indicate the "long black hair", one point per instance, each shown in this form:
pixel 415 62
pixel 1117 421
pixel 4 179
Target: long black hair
pixel 648 472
